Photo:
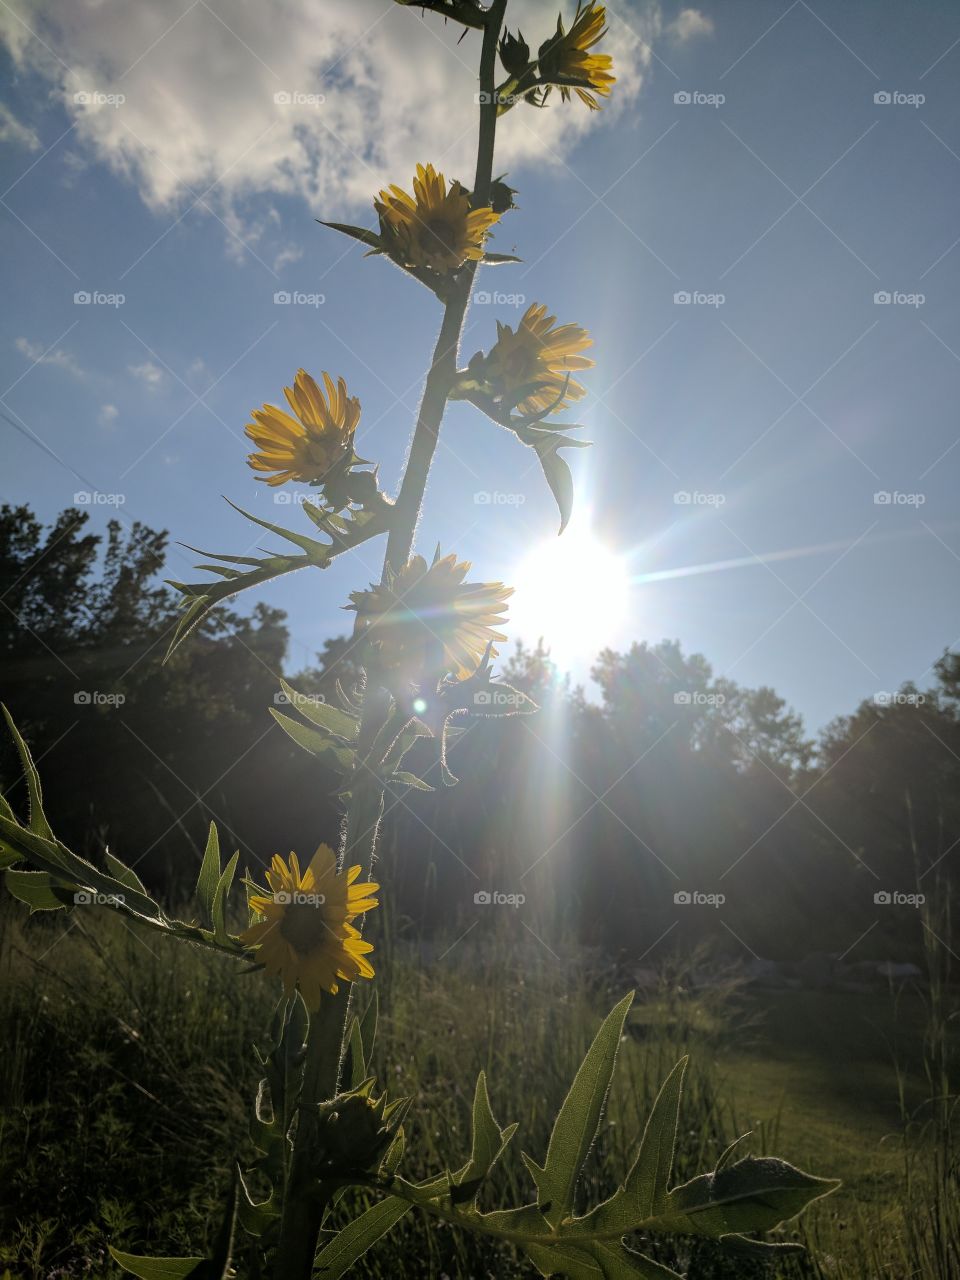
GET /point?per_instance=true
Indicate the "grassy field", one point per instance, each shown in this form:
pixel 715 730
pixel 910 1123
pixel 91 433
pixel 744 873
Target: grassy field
pixel 127 1079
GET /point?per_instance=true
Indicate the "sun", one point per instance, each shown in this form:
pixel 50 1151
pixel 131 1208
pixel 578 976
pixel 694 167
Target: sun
pixel 573 591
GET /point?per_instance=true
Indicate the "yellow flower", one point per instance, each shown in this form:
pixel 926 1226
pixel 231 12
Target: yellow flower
pixel 307 446
pixel 567 56
pixel 538 355
pixel 434 227
pixel 428 622
pixel 306 935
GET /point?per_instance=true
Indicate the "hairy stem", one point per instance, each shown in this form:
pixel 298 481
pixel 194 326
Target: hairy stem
pixel 303 1207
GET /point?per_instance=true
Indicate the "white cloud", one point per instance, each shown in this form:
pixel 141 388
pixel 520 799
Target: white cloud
pixel 199 116
pixel 13 130
pixel 147 372
pixel 689 24
pixel 288 254
pixel 38 354
pixel 108 414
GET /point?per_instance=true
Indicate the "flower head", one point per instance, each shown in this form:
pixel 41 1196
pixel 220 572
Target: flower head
pixel 566 60
pixel 427 622
pixel 433 228
pixel 539 356
pixel 306 935
pixel 307 446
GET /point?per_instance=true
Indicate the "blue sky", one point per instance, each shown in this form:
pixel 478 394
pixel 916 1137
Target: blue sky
pixel 782 406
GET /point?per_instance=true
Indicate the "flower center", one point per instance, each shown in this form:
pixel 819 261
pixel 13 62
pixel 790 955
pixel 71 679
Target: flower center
pixel 440 235
pixel 302 926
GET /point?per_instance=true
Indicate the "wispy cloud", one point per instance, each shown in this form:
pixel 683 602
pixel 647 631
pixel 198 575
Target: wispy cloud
pixel 148 373
pixel 56 356
pixel 15 131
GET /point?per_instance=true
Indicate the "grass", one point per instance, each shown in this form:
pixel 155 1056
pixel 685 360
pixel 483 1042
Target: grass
pixel 127 1080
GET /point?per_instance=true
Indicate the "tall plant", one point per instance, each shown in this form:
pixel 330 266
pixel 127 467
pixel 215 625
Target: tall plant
pixel 426 636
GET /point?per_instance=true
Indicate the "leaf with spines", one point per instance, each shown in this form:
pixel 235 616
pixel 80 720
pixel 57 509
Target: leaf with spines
pixel 487 1144
pixel 220 896
pixel 156 1268
pixel 332 751
pixel 209 876
pixel 330 719
pixel 578 1120
pixel 336 1258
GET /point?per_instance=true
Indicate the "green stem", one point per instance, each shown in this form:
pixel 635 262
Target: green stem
pixel 304 1205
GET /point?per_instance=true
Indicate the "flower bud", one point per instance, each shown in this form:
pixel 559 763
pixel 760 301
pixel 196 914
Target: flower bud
pixel 514 54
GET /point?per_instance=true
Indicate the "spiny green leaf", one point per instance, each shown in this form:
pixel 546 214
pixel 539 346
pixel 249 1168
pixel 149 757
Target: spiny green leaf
pixel 755 1194
pixel 155 1268
pixel 38 823
pixel 336 1258
pixel 209 876
pixel 38 890
pixel 318 742
pixel 220 899
pixel 576 1124
pixel 647 1183
pixel 322 714
pixel 409 780
pixel 488 1142
pixel 126 875
pixel 363 234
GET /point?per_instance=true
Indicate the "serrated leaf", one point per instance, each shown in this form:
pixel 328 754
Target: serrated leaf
pixel 155 1268
pixel 38 823
pixel 576 1124
pixel 126 875
pixel 316 741
pixel 336 1258
pixel 329 718
pixel 209 876
pixel 218 911
pixel 648 1181
pixel 755 1194
pixel 38 890
pixel 409 780
pixel 487 1143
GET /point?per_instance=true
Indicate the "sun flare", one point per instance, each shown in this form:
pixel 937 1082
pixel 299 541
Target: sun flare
pixel 573 591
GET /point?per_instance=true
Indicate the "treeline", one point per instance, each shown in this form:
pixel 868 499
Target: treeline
pixel 678 806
